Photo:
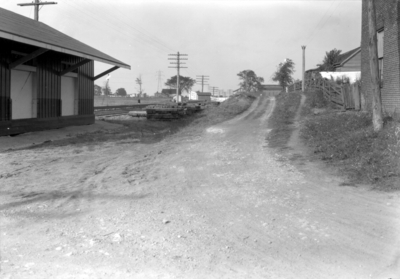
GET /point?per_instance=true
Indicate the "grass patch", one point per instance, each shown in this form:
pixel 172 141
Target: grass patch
pixel 282 119
pixel 315 102
pixel 348 142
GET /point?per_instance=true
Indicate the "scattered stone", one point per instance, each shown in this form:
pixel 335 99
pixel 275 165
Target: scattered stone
pixel 165 221
pixel 59 248
pixel 29 265
pixel 116 238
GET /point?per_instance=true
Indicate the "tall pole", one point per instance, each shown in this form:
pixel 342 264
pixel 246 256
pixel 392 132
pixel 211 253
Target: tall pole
pixel 159 76
pixel 36 16
pixel 377 118
pixel 203 79
pixel 177 80
pixel 303 84
pixel 178 67
pixel 213 88
pixel 36 4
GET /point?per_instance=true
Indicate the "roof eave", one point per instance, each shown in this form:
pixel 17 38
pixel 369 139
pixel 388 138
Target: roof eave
pixel 24 40
pixel 348 58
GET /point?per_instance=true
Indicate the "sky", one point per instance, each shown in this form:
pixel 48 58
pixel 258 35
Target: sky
pixel 220 37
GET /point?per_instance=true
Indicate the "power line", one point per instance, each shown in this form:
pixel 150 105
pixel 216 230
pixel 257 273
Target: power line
pixel 107 20
pixel 320 21
pixel 159 77
pixel 213 88
pixel 203 79
pixel 177 65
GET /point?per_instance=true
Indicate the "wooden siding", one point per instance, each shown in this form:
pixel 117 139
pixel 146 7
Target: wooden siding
pixel 86 89
pixel 20 126
pixel 48 85
pixel 5 78
pixel 353 65
pixel 5 100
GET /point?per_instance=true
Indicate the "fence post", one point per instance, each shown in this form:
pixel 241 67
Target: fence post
pixel 343 90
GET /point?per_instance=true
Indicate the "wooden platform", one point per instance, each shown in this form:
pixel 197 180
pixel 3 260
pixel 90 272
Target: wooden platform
pixel 21 126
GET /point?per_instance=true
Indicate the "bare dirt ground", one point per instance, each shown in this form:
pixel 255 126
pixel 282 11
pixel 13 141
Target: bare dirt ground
pixel 217 205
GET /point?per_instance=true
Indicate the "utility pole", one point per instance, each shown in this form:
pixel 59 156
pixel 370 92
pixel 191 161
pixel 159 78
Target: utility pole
pixel 178 66
pixel 202 79
pixel 37 3
pixel 303 84
pixel 377 119
pixel 213 88
pixel 159 77
pixel 139 82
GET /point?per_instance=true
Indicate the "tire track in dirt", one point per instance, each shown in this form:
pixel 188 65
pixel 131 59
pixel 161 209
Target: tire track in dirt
pixel 293 220
pixel 219 205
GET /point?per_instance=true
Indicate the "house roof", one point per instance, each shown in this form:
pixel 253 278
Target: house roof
pixel 313 70
pixel 25 30
pixel 344 57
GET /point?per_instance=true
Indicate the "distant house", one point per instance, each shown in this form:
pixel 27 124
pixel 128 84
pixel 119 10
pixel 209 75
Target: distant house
pixel 193 95
pixel 388 33
pixel 161 95
pixel 271 89
pixel 349 61
pixel 204 96
pixel 46 77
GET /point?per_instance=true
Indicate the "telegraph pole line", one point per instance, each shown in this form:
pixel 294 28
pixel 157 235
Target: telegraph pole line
pixel 159 77
pixel 178 66
pixel 202 79
pixel 303 83
pixel 37 3
pixel 213 88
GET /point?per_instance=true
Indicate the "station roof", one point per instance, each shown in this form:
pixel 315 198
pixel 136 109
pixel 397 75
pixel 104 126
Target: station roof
pixel 21 29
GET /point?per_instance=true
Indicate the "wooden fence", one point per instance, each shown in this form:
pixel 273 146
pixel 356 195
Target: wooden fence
pixel 346 95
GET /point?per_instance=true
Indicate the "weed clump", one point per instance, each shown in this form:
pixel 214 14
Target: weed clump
pixel 347 140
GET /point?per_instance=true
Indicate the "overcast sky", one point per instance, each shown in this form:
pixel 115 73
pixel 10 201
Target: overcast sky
pixel 220 37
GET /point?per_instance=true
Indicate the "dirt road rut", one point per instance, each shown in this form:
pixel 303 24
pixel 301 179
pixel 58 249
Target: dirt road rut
pixel 216 205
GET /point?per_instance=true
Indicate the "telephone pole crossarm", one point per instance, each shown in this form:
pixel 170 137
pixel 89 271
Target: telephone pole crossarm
pixel 37 3
pixel 177 65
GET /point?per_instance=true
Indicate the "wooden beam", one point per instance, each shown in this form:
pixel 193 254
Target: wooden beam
pixel 106 72
pixel 27 58
pixel 73 67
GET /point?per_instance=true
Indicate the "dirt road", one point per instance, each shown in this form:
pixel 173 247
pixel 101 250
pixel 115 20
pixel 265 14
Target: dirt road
pixel 216 205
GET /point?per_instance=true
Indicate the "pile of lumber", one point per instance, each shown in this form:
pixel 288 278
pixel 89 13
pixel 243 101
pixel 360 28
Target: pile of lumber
pixel 171 111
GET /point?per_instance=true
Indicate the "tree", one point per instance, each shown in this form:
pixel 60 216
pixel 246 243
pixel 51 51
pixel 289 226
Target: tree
pixel 284 73
pixel 106 89
pixel 97 90
pixel 250 81
pixel 185 83
pixel 330 59
pixel 121 92
pixel 139 82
